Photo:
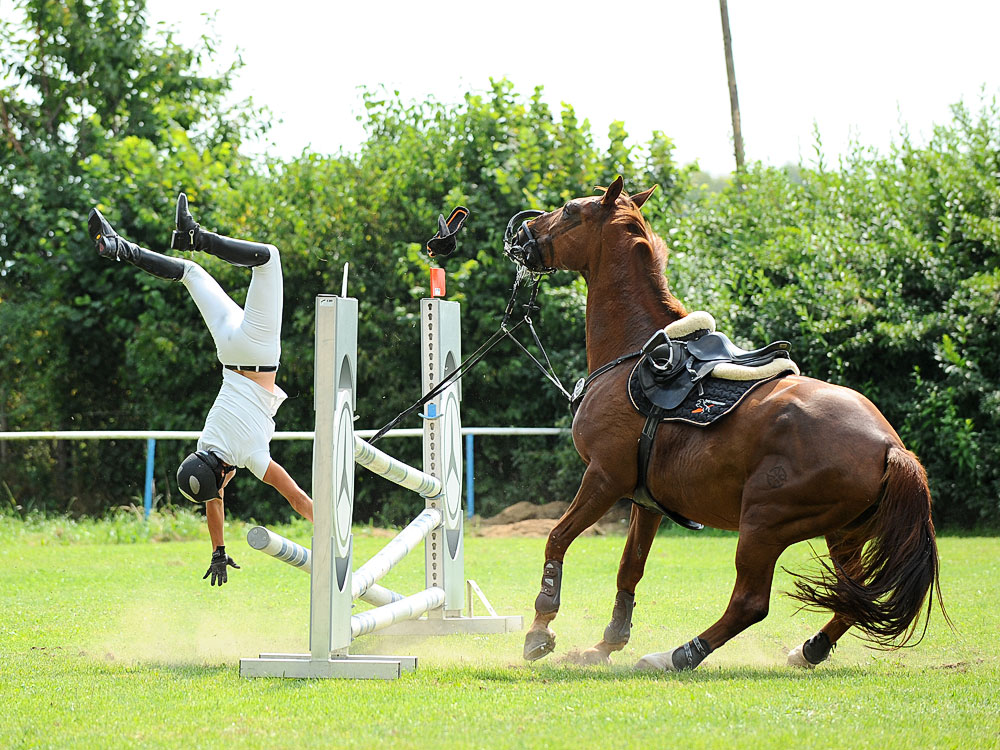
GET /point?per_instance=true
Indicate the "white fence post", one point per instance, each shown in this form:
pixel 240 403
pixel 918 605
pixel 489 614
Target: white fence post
pixel 333 474
pixel 441 354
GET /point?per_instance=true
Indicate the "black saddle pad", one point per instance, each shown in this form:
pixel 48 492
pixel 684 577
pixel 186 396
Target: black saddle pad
pixel 710 400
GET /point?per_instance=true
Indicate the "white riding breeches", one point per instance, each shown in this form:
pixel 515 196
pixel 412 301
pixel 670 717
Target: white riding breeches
pixel 243 336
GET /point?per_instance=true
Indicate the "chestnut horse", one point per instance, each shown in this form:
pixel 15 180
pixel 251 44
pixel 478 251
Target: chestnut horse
pixel 799 458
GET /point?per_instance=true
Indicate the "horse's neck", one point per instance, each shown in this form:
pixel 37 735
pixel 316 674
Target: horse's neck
pixel 624 309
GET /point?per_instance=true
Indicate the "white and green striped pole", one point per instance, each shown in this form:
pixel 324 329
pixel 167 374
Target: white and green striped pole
pixel 266 541
pixel 395 470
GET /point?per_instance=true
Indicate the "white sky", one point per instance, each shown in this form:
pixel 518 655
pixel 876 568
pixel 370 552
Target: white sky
pixel 852 68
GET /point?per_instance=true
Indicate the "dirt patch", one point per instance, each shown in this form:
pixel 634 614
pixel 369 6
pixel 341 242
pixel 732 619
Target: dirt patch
pixel 525 511
pixel 528 527
pixel 377 532
pixel 526 519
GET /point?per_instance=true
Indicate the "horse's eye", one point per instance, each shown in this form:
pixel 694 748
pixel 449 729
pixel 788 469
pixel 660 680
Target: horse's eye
pixel 634 228
pixel 570 209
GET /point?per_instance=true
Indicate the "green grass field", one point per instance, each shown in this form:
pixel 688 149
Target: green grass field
pixel 112 645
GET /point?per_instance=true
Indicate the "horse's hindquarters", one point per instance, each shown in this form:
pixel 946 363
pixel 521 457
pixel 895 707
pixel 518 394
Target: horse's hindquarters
pixel 802 455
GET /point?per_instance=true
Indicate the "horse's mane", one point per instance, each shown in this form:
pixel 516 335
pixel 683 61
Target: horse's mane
pixel 660 250
pixel 653 249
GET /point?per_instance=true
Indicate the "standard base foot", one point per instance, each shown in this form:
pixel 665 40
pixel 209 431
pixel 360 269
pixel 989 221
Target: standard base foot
pixel 477 625
pixel 343 667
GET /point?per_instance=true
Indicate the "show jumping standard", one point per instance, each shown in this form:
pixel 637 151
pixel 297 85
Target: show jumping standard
pixel 798 458
pixel 335 584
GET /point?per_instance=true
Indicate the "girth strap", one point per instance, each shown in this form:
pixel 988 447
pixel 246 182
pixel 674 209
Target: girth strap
pixel 641 495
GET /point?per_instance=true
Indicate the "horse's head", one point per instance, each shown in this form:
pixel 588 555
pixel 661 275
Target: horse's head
pixel 572 237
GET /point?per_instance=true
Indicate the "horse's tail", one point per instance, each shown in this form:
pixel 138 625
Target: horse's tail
pixel 886 582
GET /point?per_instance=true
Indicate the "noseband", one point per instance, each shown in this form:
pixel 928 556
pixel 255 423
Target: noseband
pixel 521 246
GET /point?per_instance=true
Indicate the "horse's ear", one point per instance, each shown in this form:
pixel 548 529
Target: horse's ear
pixel 639 198
pixel 613 191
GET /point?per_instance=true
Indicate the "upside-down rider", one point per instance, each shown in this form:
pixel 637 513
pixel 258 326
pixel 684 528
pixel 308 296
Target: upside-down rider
pixel 240 424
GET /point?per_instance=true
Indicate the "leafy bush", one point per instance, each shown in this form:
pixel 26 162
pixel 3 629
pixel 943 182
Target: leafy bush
pixel 885 275
pixel 882 271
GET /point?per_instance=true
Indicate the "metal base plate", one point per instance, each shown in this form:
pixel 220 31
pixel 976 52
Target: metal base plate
pixel 342 667
pixel 447 625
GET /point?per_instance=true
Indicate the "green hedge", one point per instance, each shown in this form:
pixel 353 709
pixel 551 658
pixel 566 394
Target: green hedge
pixel 882 270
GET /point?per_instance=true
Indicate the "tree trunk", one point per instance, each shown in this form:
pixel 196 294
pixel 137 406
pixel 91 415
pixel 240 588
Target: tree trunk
pixel 734 101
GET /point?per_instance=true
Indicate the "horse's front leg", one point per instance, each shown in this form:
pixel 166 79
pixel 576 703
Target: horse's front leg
pixel 642 526
pixel 598 492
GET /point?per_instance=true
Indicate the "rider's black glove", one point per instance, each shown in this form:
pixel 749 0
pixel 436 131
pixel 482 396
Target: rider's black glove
pixel 218 567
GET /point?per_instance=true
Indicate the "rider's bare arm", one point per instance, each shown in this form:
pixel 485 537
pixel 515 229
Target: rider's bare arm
pixel 215 515
pixel 281 480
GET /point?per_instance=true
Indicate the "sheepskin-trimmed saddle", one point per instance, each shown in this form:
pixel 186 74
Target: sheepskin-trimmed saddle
pixel 689 372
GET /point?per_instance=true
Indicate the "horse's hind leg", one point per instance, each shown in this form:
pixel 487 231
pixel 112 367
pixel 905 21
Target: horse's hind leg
pixel 642 528
pixel 756 555
pixel 817 649
pixel 846 552
pixel 598 492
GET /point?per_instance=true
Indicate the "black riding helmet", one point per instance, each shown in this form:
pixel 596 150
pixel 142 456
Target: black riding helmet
pixel 200 476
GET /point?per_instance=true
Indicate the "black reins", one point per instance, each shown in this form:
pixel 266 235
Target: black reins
pixel 521 252
pixel 546 369
pixel 506 330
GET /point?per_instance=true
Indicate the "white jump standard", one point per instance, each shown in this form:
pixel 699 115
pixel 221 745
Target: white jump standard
pixel 334 583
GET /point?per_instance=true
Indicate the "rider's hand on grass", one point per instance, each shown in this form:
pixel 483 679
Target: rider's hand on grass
pixel 218 567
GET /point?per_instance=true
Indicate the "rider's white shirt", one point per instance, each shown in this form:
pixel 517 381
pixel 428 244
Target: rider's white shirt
pixel 240 423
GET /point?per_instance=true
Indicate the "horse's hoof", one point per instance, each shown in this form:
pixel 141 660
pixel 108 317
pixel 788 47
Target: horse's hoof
pixel 538 643
pixel 594 656
pixel 797 659
pixel 659 662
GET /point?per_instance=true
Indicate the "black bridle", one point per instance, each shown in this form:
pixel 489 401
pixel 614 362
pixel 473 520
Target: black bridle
pixel 521 247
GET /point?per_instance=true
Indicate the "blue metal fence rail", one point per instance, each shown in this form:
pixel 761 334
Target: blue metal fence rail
pixel 151 436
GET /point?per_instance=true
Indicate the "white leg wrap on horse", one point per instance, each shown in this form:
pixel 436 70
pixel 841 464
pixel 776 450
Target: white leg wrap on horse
pixel 688 656
pixel 659 662
pixel 797 659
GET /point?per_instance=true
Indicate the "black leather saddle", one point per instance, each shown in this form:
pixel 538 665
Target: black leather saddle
pixel 667 373
pixel 671 368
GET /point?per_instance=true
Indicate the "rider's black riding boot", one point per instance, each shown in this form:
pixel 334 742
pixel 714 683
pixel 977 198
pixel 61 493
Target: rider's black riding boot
pixel 190 236
pixel 111 245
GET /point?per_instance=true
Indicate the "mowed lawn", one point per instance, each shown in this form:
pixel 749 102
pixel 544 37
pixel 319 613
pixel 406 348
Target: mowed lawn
pixel 124 645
